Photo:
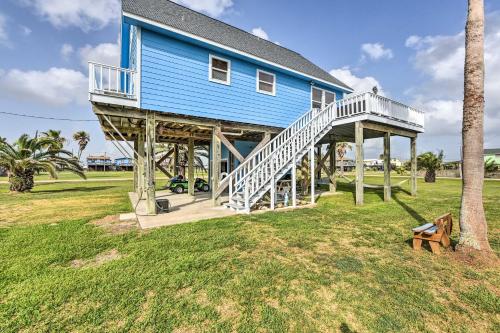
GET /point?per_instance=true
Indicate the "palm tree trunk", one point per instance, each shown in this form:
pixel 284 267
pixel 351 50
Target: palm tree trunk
pixel 473 227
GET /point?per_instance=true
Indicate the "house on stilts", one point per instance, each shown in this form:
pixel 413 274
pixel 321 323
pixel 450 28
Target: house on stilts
pixel 186 78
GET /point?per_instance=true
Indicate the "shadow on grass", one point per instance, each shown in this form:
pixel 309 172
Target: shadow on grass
pixel 74 189
pixel 416 216
pixel 344 328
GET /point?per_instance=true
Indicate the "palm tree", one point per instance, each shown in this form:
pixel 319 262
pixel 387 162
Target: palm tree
pixel 29 155
pixel 82 138
pixel 58 140
pixel 342 148
pixel 430 162
pixel 200 154
pixel 2 140
pixel 473 227
pixel 490 165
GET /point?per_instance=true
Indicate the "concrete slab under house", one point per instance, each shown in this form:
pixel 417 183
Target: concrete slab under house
pixel 262 111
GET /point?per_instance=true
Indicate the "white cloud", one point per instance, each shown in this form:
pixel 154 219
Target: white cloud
pixel 4 37
pixel 259 32
pixel 359 84
pixel 441 60
pixel 84 14
pixel 25 30
pixel 66 51
pixel 55 87
pixel 376 51
pixel 413 41
pixel 213 8
pixel 105 53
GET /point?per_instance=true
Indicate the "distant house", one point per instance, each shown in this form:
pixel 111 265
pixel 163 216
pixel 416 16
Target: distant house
pixel 124 164
pixel 492 154
pixel 99 163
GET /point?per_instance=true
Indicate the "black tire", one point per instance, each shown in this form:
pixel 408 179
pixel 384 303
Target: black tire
pixel 179 189
pixel 205 188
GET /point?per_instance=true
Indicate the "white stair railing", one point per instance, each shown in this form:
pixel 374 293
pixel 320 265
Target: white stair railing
pixel 254 177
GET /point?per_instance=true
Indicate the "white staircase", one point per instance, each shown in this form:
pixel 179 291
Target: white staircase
pixel 250 181
pixel 257 175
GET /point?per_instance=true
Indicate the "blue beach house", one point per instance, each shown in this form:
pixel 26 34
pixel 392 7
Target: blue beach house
pixel 258 108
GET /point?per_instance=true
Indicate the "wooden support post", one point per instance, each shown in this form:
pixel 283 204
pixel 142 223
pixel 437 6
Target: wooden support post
pixel 387 166
pixel 312 172
pixel 216 159
pixel 141 172
pixel 294 183
pixel 136 177
pixel 150 163
pixel 333 166
pixel 318 169
pixel 413 153
pixel 176 160
pixel 191 166
pixel 273 192
pixel 358 133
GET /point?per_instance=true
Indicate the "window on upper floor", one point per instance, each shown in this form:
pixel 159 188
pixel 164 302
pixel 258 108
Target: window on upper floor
pixel 266 82
pixel 219 70
pixel 321 98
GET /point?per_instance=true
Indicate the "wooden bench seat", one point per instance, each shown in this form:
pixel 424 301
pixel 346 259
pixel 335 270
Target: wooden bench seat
pixel 434 233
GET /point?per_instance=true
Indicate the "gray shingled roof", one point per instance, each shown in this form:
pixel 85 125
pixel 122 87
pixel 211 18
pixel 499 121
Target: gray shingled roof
pixel 182 18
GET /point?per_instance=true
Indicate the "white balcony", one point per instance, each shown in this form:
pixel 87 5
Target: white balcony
pixel 112 85
pixel 381 108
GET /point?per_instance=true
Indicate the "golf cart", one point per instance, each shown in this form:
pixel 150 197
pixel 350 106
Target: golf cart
pixel 179 184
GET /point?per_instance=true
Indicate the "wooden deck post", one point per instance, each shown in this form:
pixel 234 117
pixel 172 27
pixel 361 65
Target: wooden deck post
pixel 413 153
pixel 191 166
pixel 150 163
pixel 358 131
pixel 141 180
pixel 312 172
pixel 387 166
pixel 136 177
pixel 176 160
pixel 318 169
pixel 333 166
pixel 216 159
pixel 294 183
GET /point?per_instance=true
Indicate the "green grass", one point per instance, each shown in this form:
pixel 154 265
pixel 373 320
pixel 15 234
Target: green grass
pixel 336 267
pixel 90 175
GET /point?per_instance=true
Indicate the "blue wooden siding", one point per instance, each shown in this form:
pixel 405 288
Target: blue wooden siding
pixel 174 78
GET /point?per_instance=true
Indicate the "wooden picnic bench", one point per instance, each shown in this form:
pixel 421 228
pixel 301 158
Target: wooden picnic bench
pixel 434 233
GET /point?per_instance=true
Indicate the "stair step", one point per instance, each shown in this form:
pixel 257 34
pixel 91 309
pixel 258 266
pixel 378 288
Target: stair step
pixel 235 207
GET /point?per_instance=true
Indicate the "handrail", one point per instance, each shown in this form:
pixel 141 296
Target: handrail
pixel 274 158
pixel 129 70
pixel 112 81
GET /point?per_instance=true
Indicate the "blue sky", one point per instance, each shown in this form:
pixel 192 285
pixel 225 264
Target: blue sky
pixel 413 50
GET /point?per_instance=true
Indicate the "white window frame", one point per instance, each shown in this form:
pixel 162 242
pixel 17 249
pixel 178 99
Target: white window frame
pixel 210 78
pixel 257 83
pixel 323 96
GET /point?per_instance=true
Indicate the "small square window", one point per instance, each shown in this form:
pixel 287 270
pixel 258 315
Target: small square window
pixel 219 70
pixel 266 83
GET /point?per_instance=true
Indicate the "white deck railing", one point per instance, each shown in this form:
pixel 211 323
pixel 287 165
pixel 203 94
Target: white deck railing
pixel 381 106
pixel 112 81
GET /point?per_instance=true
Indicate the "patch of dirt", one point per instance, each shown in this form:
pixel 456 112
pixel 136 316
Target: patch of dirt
pixel 228 309
pixel 474 258
pixel 145 307
pixel 114 226
pixel 99 259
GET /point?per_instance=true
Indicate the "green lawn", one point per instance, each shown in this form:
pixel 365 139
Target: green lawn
pixel 335 268
pixel 93 175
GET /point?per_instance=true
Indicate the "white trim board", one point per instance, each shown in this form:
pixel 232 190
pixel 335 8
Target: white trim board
pixel 227 48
